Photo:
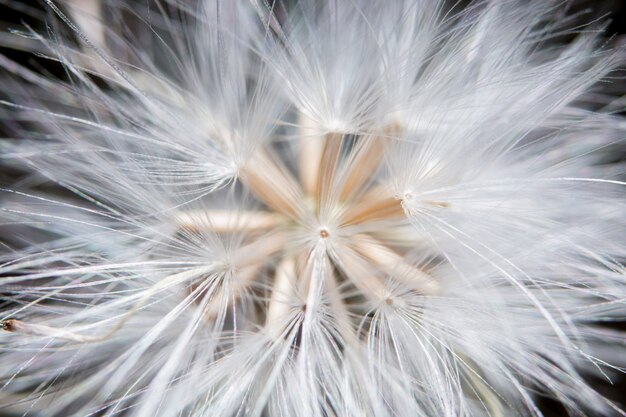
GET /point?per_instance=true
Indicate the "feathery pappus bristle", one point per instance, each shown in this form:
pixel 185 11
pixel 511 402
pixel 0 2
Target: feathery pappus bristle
pixel 310 208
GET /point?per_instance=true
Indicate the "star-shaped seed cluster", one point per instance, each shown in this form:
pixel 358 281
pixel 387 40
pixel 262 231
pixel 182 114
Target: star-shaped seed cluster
pixel 337 212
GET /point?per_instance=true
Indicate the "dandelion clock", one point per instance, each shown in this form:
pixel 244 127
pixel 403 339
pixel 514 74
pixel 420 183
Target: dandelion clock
pixel 310 209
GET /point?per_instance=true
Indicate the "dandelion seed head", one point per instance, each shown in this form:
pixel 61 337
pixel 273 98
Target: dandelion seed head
pixel 329 209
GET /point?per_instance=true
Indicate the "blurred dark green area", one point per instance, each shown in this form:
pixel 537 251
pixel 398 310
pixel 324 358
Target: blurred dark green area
pixel 18 14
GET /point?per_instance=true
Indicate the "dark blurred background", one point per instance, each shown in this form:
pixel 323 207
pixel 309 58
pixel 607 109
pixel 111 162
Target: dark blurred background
pixel 14 14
